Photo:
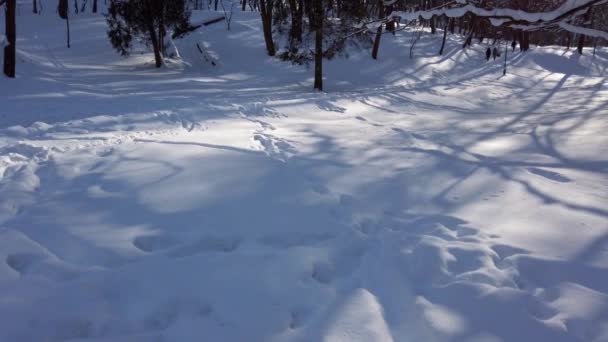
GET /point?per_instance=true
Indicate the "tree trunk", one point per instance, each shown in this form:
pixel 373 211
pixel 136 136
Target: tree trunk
pixel 67 23
pixel 94 6
pixel 318 9
pixel 581 39
pixel 162 29
pixel 377 42
pixel 452 25
pixel 244 4
pixel 581 44
pixel 594 46
pixel 310 13
pixel 504 70
pixel 445 34
pixel 158 58
pixel 161 39
pixel 378 32
pixel 10 58
pixel 473 27
pixel 525 43
pixel 266 13
pixel 35 6
pixel 297 16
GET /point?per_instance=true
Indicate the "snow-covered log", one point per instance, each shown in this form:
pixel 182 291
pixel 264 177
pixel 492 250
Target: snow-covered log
pixel 512 17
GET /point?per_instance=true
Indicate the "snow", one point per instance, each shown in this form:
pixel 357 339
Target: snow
pixel 425 199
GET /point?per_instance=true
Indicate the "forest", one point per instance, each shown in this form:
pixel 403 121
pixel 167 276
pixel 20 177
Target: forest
pixel 333 24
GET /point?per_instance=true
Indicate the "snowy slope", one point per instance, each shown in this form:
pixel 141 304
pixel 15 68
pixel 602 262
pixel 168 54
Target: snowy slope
pixel 425 199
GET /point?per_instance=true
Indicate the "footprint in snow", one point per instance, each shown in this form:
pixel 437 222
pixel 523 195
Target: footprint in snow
pixel 297 318
pixel 323 273
pixel 21 262
pixel 505 251
pixel 207 244
pixel 292 239
pixel 153 243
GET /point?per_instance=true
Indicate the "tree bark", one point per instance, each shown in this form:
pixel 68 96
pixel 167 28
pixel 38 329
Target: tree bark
pixel 158 58
pixel 445 34
pixel 318 9
pixel 10 57
pixel 378 33
pixel 581 44
pixel 473 27
pixel 266 13
pixel 452 25
pixel 525 41
pixel 35 9
pixel 67 23
pixel 297 15
pixel 161 29
pixel 581 39
pixel 377 42
pixel 94 6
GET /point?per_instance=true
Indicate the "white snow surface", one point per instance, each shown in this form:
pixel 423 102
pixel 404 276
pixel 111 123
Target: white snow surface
pixel 425 199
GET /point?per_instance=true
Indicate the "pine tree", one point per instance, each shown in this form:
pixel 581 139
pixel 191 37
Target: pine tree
pixel 146 19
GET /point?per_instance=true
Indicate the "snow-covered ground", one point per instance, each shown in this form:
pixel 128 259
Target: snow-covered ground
pixel 425 199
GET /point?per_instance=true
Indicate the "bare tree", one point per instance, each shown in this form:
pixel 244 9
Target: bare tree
pixel 318 22
pixel 266 7
pixel 228 14
pixel 10 58
pixel 62 9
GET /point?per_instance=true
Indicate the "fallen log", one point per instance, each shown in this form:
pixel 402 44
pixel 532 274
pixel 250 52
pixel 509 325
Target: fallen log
pixel 182 32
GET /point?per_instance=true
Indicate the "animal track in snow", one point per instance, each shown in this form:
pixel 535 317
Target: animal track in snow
pixel 207 244
pixel 258 109
pixel 175 118
pixel 168 313
pixel 323 272
pixel 274 147
pixel 153 243
pixel 21 262
pixel 295 320
pixel 505 251
pixel 293 239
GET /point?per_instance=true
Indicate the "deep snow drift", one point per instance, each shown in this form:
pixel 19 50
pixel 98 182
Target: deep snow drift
pixel 425 199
